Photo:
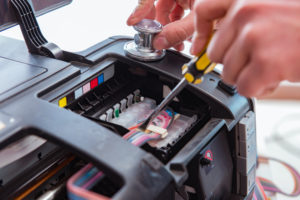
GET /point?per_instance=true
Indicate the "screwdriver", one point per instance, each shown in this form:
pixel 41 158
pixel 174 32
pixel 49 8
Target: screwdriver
pixel 193 72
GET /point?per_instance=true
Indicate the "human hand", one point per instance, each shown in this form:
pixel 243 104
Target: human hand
pixel 258 41
pixel 168 13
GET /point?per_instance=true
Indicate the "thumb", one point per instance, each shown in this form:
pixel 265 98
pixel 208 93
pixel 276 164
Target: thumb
pixel 144 8
pixel 175 33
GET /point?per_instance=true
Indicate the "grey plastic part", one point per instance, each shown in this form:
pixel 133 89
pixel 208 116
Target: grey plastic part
pixel 109 73
pixel 14 74
pixel 8 19
pixel 136 95
pixel 247 126
pixel 246 153
pixel 103 117
pixel 123 105
pixel 109 114
pixel 248 181
pixel 129 100
pixel 244 165
pixel 248 147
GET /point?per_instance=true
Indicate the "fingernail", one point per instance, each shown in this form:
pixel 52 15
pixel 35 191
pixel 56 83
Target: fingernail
pixel 192 49
pixel 193 46
pixel 209 48
pixel 130 19
pixel 161 43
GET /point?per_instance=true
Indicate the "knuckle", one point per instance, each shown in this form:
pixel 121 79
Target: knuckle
pixel 262 65
pixel 245 89
pixel 177 35
pixel 244 9
pixel 199 7
pixel 251 33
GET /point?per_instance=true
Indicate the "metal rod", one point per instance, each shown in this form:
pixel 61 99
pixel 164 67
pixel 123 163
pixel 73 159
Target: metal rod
pixel 178 88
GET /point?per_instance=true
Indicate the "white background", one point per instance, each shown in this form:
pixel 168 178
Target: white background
pixel 87 22
pixel 83 23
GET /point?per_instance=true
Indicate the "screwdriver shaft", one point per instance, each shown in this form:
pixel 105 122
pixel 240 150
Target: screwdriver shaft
pixel 178 88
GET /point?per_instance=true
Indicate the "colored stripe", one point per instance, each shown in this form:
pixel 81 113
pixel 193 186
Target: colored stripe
pixel 62 102
pixel 100 79
pixel 94 83
pixel 78 93
pixel 86 88
pixel 93 180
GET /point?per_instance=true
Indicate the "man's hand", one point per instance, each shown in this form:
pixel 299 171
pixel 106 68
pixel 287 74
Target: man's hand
pixel 168 13
pixel 258 41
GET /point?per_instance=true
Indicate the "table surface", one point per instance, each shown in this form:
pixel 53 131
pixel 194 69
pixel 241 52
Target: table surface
pixel 85 23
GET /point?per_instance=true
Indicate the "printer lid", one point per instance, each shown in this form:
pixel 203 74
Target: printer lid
pixel 7 17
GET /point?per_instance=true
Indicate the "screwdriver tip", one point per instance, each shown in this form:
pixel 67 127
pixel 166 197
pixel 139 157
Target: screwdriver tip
pixel 144 125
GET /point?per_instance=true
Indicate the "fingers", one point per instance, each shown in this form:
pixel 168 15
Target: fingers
pixel 251 71
pixel 206 11
pixel 256 78
pixel 163 9
pixel 221 41
pixel 268 91
pixel 250 83
pixel 179 47
pixel 175 33
pixel 237 56
pixel 185 4
pixel 151 14
pixel 227 33
pixel 177 13
pixel 141 11
pixel 166 11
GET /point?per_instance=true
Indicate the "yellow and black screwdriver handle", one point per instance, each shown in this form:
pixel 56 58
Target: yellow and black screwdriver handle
pixel 200 65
